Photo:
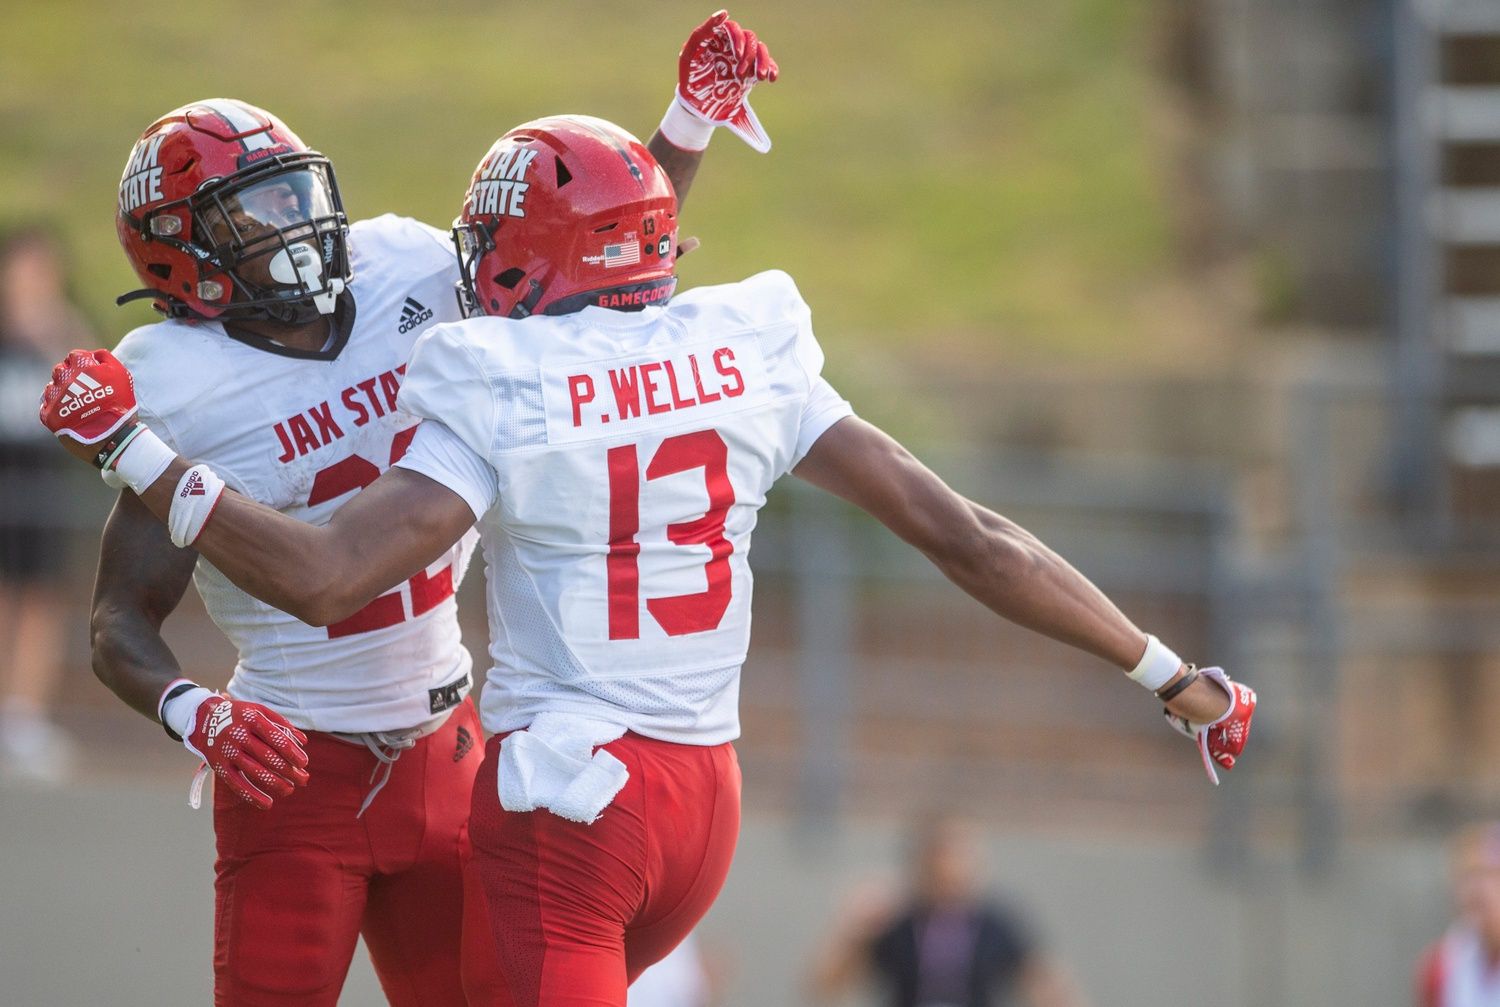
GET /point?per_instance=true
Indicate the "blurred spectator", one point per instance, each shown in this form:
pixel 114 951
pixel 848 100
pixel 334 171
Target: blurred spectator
pixel 37 326
pixel 948 944
pixel 1462 969
pixel 679 980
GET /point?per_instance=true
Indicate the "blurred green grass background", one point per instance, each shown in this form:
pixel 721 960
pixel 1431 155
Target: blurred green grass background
pixel 976 180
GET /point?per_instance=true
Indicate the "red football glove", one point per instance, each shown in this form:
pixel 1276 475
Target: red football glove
pixel 90 397
pixel 716 69
pixel 252 750
pixel 1221 741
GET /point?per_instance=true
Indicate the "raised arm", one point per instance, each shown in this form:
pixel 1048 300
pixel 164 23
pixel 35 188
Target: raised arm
pixel 1012 572
pixel 680 165
pixel 718 65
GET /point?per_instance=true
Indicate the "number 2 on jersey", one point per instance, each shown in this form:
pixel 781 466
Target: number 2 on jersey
pixel 682 613
pixel 355 473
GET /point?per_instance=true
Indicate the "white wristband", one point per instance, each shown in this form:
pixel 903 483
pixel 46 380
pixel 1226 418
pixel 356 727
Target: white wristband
pixel 684 128
pixel 140 462
pixel 1156 666
pixel 180 712
pixel 197 495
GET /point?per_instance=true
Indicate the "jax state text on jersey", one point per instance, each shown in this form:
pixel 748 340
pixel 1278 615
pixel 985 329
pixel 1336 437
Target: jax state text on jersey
pixel 318 426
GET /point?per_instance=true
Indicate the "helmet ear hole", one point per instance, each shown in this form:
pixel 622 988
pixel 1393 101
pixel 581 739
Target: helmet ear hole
pixel 160 269
pixel 510 278
pixel 564 176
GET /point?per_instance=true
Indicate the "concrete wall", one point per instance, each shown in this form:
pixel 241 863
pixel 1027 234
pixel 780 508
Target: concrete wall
pixel 107 899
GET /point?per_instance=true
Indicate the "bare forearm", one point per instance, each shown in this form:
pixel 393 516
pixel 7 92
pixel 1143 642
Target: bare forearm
pixel 1017 576
pixel 141 580
pixel 680 165
pixel 386 533
pixel 992 558
pixel 131 658
pixel 294 566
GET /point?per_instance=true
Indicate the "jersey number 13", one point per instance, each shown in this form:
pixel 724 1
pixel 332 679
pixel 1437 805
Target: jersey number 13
pixel 678 614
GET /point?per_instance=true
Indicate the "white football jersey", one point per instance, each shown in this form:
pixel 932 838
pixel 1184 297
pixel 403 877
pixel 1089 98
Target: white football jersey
pixel 302 435
pixel 619 460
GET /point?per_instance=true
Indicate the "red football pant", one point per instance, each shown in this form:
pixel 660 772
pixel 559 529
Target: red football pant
pixel 296 885
pixel 576 912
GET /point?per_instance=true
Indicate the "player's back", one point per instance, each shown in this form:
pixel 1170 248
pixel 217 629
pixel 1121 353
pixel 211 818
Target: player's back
pixel 631 453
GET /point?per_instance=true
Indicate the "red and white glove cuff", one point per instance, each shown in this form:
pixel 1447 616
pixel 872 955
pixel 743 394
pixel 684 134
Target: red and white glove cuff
pixel 193 503
pixel 684 128
pixel 178 709
pixel 138 462
pixel 1221 750
pixel 1156 666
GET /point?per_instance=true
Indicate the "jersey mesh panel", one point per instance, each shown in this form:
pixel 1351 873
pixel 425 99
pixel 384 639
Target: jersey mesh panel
pixel 777 351
pixel 679 694
pixel 523 417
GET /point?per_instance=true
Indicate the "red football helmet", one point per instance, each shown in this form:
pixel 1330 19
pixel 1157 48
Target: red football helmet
pixel 565 212
pixel 225 213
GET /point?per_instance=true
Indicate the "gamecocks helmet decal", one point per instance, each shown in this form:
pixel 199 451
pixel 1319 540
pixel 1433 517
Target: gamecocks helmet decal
pixel 566 212
pixel 225 213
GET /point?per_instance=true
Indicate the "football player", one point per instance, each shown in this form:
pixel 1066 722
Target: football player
pixel 615 444
pixel 344 752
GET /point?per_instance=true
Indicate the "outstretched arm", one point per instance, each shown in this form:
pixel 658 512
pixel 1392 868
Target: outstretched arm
pixel 991 557
pixel 391 530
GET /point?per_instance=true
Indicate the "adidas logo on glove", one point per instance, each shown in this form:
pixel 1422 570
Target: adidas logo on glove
pixel 193 487
pixel 84 391
pixel 218 719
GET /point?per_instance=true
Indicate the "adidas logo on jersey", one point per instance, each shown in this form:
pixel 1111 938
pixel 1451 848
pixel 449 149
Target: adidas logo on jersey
pixel 413 314
pixel 194 487
pixel 84 391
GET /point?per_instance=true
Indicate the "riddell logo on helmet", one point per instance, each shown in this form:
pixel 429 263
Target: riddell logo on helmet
pixel 82 392
pixel 633 298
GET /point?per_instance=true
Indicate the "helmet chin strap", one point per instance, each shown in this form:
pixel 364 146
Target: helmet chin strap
pixel 300 265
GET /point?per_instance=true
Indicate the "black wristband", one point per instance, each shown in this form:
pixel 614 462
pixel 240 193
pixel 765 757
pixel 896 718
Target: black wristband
pixel 109 447
pixel 1170 692
pixel 161 707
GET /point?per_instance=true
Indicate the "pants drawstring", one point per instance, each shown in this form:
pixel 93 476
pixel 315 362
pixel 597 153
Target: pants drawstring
pixel 378 742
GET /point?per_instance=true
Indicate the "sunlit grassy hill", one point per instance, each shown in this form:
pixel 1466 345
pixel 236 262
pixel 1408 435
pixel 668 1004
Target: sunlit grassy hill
pixel 969 176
